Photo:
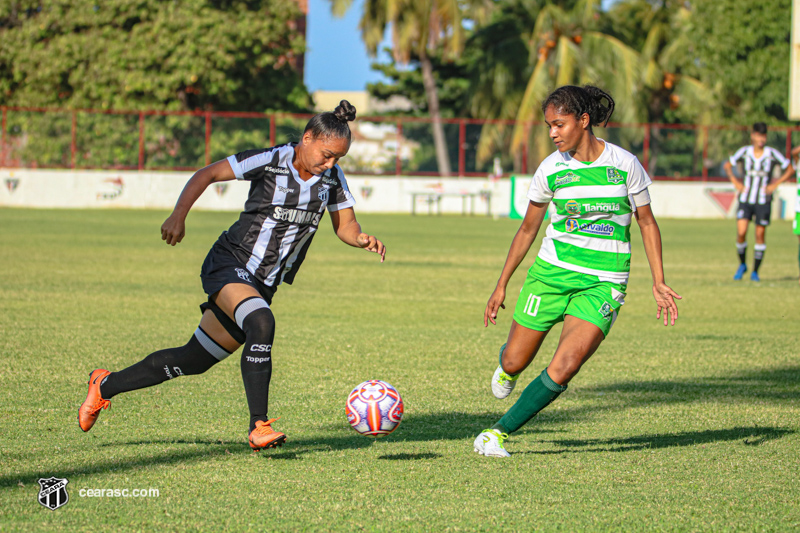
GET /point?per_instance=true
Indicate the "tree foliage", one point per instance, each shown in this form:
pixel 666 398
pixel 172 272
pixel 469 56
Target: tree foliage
pixel 149 54
pixel 742 49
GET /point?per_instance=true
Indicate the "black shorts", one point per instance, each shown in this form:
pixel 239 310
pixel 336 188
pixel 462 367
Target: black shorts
pixel 221 268
pixel 761 212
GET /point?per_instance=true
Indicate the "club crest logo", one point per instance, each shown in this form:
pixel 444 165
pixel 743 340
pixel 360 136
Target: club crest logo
pixel 366 192
pixel 117 186
pixel 324 192
pixel 606 310
pixel 243 274
pixel 221 189
pixel 573 207
pixel 12 184
pixel 53 492
pixel 614 176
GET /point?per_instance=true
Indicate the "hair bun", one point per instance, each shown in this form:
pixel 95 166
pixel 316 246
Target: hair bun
pixel 345 111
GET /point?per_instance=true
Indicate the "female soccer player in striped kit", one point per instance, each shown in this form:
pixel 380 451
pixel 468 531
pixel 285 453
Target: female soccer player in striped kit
pixel 291 186
pixel 581 273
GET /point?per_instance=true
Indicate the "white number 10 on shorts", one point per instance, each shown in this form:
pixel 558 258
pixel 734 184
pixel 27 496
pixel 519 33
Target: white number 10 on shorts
pixel 532 305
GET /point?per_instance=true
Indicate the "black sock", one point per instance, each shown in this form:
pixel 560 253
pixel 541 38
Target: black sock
pixel 758 255
pixel 741 249
pixel 258 323
pixel 197 356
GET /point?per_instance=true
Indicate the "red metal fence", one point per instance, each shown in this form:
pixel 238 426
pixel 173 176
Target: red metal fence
pixel 175 140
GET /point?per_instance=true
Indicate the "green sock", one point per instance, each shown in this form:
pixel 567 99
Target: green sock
pixel 536 396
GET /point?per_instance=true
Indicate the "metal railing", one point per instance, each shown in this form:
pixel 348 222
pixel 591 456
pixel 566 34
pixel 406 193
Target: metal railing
pixel 402 146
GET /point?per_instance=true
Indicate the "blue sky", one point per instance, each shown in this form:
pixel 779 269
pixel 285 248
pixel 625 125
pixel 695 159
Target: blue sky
pixel 336 58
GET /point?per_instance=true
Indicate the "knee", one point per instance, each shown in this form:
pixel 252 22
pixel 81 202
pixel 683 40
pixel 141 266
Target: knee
pixel 256 319
pixel 513 362
pixel 563 369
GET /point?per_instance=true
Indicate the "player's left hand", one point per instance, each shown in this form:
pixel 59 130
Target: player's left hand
pixel 371 244
pixel 770 189
pixel 665 300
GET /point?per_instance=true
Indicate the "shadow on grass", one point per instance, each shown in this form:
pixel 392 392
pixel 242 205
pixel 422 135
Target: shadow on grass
pixel 749 436
pixel 772 385
pixel 410 456
pixel 776 384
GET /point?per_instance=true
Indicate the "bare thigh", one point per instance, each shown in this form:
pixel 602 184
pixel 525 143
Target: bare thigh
pixel 579 340
pixel 741 229
pixel 230 296
pixel 522 346
pixel 761 234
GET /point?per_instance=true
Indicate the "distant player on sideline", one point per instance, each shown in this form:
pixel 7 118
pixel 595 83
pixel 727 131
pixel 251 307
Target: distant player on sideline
pixel 581 273
pixel 796 223
pixel 755 194
pixel 291 185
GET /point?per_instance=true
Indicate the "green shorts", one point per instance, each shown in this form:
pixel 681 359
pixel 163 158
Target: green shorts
pixel 550 293
pixel 796 224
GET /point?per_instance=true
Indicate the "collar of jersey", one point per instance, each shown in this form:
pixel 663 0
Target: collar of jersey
pixel 584 164
pixel 296 175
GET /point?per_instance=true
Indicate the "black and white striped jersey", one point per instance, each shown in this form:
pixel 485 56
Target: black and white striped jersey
pixel 282 212
pixel 757 172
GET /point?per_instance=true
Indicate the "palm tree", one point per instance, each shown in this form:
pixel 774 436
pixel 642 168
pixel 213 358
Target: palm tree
pixel 418 28
pixel 569 46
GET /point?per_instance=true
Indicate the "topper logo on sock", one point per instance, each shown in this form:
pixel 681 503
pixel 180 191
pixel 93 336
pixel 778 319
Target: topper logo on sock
pixel 250 359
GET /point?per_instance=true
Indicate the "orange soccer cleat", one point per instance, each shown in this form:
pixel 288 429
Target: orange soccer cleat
pixel 266 437
pixel 90 409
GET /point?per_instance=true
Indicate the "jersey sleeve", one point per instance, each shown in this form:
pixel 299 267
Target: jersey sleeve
pixel 341 197
pixel 738 155
pixel 249 165
pixel 539 191
pixel 638 180
pixel 780 158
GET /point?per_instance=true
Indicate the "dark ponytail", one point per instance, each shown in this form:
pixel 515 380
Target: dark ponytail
pixel 574 100
pixel 333 124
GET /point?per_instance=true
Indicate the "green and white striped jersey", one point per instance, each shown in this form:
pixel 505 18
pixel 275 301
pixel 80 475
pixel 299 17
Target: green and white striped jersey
pixel 590 227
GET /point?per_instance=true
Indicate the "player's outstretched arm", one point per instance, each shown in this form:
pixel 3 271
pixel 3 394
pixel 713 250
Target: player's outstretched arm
pixel 651 236
pixel 522 242
pixel 174 228
pixel 349 232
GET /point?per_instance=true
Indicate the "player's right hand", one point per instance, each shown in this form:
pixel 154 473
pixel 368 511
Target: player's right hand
pixel 494 304
pixel 173 230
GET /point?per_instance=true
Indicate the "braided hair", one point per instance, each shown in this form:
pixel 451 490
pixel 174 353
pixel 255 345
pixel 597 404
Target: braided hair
pixel 574 100
pixel 332 124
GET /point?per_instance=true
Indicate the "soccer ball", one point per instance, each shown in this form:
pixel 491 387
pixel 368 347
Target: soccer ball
pixel 374 408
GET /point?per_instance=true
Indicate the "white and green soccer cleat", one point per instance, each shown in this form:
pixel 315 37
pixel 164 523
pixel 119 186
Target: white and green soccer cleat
pixel 490 443
pixel 502 383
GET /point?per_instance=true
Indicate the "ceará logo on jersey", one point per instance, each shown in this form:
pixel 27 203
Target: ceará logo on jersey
pixel 276 170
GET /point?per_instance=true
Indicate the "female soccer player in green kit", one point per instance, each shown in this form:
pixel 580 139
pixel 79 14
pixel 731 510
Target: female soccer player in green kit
pixel 581 273
pixel 796 223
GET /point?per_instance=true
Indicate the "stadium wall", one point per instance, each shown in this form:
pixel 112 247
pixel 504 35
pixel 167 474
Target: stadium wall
pixel 481 196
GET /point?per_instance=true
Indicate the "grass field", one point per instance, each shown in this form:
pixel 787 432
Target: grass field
pixel 687 428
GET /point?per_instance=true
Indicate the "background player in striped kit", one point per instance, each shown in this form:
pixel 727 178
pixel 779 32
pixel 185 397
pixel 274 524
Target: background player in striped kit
pixel 290 187
pixel 796 223
pixel 758 161
pixel 581 273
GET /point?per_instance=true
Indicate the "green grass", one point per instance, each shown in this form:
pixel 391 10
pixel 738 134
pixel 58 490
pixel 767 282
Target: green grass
pixel 687 428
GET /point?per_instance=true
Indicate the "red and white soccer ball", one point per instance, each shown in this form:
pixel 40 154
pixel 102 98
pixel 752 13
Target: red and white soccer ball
pixel 374 408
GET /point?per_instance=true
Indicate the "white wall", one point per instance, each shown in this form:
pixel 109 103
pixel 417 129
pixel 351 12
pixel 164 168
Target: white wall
pixel 131 189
